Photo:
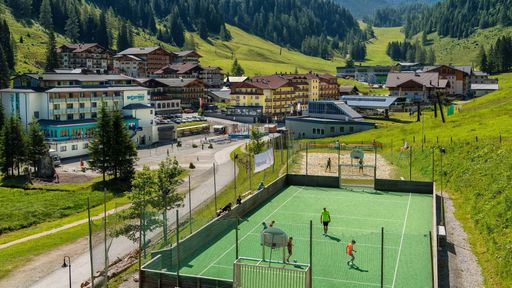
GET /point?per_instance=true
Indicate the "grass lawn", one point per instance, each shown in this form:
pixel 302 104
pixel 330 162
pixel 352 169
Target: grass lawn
pixel 477 174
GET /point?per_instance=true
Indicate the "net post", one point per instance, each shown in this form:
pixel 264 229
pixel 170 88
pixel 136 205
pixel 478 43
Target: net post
pixel 310 251
pixel 375 160
pixel 382 257
pixel 177 248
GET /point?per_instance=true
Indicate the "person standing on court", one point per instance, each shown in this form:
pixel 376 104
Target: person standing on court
pixel 361 165
pixel 325 218
pixel 328 166
pixel 350 252
pixel 290 246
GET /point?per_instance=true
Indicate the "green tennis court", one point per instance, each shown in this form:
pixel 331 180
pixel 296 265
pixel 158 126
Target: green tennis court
pixel 356 214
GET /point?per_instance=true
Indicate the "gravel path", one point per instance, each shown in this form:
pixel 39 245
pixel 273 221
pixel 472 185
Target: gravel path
pixel 464 270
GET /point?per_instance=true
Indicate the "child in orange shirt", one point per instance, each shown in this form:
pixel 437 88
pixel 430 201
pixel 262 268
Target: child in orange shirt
pixel 350 252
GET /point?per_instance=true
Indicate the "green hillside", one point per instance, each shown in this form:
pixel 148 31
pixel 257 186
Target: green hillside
pixel 258 56
pixel 476 167
pixel 465 51
pixel 376 48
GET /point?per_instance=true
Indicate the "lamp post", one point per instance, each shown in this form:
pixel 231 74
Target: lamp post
pixel 68 265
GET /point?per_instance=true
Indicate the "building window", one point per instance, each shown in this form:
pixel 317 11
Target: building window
pixel 322 132
pixel 63 148
pixel 74 147
pixel 56 117
pixel 69 106
pixel 86 146
pixel 82 105
pixel 94 115
pixel 351 129
pixel 56 106
pixel 36 114
pixel 82 115
pixel 314 130
pixel 94 104
pixel 332 129
pixel 151 111
pixel 70 117
pixel 342 129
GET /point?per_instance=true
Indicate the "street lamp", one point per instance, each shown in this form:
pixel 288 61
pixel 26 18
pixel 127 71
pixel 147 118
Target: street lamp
pixel 68 265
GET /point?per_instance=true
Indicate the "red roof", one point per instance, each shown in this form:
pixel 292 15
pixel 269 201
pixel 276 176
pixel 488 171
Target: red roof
pixel 77 48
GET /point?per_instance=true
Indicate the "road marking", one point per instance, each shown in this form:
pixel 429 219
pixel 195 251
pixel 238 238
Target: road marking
pixel 401 240
pixel 249 233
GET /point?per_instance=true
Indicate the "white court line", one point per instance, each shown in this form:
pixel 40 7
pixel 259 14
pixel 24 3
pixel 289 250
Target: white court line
pixel 258 225
pixel 347 281
pixel 223 266
pixel 333 242
pixel 331 227
pixel 401 240
pixel 369 199
pixel 343 216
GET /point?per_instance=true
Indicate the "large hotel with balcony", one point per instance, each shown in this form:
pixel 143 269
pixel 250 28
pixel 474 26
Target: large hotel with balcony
pixel 67 104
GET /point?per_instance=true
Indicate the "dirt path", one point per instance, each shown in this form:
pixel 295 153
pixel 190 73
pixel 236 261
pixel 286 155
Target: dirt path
pixel 463 268
pixel 317 162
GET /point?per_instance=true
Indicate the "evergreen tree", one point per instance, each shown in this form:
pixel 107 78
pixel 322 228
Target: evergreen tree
pixel 236 69
pixel 6 44
pixel 224 34
pixel 177 30
pixel 4 71
pixel 125 37
pixel 72 28
pixel 45 15
pixel 52 58
pixel 424 39
pixel 203 30
pixel 124 156
pixel 17 140
pixel 102 34
pixel 36 145
pixel 483 60
pixel 100 147
pixel 6 148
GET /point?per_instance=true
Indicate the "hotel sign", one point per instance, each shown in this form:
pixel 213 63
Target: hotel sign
pixel 140 97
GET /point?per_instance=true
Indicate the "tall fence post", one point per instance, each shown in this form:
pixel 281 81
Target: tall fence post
pixel 234 173
pixel 410 164
pixel 105 231
pixel 177 248
pixel 311 251
pixel 189 205
pixel 90 239
pixel 215 188
pixel 391 151
pixel 236 238
pixel 307 158
pixel 375 161
pixel 382 257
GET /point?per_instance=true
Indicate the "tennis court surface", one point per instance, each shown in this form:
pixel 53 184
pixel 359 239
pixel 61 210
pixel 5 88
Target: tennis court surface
pixel 356 214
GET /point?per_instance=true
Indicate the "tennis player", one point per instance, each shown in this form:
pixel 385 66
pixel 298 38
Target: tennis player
pixel 325 218
pixel 350 252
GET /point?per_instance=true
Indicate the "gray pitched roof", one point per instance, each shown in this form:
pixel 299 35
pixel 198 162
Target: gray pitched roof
pixel 428 79
pixel 375 102
pixel 174 82
pixel 139 50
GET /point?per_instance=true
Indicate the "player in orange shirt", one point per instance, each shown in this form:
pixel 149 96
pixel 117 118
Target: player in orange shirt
pixel 350 252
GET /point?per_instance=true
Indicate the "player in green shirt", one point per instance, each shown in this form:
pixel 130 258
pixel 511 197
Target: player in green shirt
pixel 325 218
